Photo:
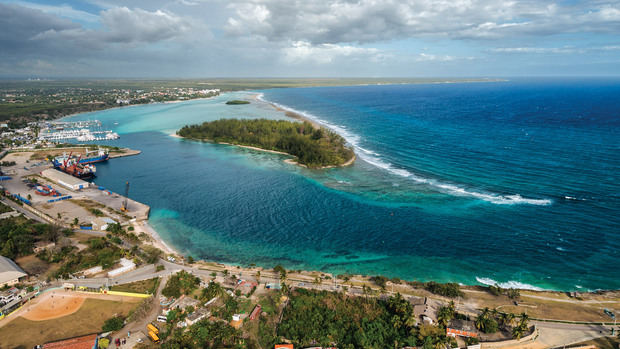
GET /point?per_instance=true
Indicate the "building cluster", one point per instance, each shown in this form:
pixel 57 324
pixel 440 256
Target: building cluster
pixel 126 97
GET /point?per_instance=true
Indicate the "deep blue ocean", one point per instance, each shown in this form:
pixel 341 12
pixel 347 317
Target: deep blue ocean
pixel 511 182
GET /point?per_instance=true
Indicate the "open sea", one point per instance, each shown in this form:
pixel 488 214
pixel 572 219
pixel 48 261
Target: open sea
pixel 511 182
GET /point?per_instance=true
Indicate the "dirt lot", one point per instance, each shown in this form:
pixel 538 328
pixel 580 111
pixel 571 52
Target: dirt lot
pixel 33 265
pixel 80 315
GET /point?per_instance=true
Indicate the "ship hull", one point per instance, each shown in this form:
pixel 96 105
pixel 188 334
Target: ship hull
pixel 95 159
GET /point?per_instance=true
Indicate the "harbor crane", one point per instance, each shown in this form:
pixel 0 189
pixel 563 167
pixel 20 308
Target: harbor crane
pixel 124 206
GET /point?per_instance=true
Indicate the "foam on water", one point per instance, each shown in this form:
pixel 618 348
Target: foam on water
pixel 375 159
pixel 508 284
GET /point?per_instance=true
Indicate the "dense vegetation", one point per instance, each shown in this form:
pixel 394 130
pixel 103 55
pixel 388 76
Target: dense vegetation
pixel 18 235
pixel 100 252
pixel 205 334
pixel 324 318
pixel 180 283
pixel 237 102
pixel 313 147
pixel 450 289
pixel 113 324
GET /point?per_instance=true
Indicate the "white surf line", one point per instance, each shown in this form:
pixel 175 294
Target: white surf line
pixel 374 159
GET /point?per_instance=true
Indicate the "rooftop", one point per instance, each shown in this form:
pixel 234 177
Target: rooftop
pixel 462 325
pixel 84 342
pixel 63 178
pixel 9 270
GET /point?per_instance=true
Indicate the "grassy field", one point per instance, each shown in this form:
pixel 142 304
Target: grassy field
pixel 22 333
pixel 144 286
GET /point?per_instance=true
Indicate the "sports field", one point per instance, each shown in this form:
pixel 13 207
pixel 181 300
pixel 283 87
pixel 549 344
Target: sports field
pixel 58 315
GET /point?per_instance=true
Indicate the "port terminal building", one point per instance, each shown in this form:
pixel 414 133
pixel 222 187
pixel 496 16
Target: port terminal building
pixel 64 179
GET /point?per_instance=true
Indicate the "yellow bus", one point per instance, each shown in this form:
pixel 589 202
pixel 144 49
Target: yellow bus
pixel 154 337
pixel 152 328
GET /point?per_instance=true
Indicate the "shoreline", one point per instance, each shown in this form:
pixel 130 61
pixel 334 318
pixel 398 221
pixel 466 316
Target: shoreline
pixel 158 242
pixel 156 239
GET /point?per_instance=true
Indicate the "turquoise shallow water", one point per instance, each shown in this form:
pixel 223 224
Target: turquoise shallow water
pixel 510 182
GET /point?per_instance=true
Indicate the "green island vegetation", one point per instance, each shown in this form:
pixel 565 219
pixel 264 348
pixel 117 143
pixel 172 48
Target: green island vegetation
pixel 313 147
pixel 236 102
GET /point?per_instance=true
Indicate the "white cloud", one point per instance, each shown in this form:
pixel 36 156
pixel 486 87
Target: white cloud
pixel 137 25
pixel 340 21
pixel 423 57
pixel 610 47
pixel 537 50
pixel 124 25
pixel 303 52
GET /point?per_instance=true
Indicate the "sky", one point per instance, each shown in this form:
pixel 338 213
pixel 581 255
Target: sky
pixel 308 38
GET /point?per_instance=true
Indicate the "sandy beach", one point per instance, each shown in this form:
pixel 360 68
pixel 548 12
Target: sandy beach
pixel 156 240
pixel 348 163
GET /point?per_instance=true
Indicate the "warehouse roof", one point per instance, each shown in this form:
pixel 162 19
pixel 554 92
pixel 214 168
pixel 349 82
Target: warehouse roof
pixel 63 178
pixel 9 270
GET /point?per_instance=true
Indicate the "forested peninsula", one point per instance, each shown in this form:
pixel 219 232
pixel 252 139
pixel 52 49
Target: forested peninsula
pixel 313 147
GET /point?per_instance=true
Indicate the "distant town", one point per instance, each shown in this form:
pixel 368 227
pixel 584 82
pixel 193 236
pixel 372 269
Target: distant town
pixel 23 102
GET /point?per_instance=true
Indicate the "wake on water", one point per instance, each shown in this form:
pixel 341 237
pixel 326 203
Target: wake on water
pixel 374 159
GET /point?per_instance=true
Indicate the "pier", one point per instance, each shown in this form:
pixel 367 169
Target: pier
pixel 126 152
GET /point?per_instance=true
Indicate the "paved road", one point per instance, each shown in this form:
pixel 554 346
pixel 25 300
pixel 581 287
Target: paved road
pixel 20 209
pixel 134 328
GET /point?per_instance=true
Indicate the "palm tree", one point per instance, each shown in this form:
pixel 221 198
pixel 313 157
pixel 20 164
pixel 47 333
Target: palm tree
pixel 524 319
pixel 442 342
pixel 519 331
pixel 258 276
pixel 346 279
pixel 365 290
pixel 482 318
pixel 444 315
pixel 410 321
pixel 509 319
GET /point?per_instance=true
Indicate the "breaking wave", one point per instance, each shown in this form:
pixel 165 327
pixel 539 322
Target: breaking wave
pixel 374 159
pixel 508 284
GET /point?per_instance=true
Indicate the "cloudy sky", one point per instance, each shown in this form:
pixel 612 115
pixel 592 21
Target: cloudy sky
pixel 304 38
